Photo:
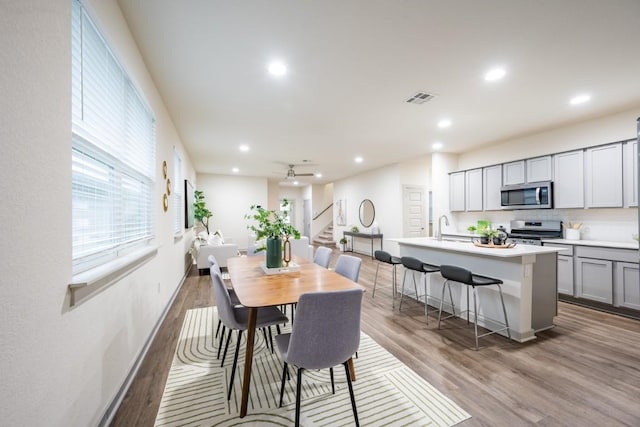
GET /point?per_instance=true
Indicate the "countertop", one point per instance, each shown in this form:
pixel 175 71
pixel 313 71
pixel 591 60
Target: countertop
pixel 469 247
pixel 597 243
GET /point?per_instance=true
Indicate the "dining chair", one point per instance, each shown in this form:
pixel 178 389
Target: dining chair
pixel 214 268
pixel 326 333
pixel 348 266
pixel 322 256
pixel 237 318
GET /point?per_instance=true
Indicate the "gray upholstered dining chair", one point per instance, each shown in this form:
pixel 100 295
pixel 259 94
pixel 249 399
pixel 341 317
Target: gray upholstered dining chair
pixel 322 256
pixel 237 318
pixel 348 266
pixel 214 268
pixel 326 333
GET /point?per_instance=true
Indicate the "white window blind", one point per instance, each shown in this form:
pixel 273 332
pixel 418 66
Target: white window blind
pixel 177 192
pixel 113 153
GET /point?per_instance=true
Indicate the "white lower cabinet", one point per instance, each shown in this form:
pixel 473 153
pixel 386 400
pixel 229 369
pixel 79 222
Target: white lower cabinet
pixel 594 279
pixel 626 284
pixel 565 275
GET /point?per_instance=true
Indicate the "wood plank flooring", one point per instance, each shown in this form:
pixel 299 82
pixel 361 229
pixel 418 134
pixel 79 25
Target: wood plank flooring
pixel 583 372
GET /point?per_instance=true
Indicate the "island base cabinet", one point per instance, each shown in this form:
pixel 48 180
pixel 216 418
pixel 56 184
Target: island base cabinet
pixel 627 285
pixel 565 275
pixel 594 279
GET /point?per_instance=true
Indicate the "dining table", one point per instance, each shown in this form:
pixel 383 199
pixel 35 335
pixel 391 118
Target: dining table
pixel 256 289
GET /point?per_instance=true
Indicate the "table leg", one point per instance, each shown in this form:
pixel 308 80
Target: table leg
pixel 248 360
pixel 352 369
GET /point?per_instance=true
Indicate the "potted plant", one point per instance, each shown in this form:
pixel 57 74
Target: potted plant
pixel 273 226
pixel 471 229
pixel 343 242
pixel 488 235
pixel 200 211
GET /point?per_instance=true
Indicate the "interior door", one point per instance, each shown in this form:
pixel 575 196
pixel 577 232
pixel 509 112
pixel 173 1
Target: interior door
pixel 306 224
pixel 414 211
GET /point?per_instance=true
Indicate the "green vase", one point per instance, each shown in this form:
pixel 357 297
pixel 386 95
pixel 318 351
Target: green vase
pixel 274 252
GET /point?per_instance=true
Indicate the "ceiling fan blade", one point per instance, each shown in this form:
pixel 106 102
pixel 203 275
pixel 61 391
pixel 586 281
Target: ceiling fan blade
pixel 305 174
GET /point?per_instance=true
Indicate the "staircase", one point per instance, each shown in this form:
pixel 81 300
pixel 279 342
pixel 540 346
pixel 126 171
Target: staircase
pixel 325 238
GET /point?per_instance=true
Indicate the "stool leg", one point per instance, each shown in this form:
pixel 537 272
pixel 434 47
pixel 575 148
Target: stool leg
pixel 453 308
pixel 467 305
pixel 441 301
pixel 404 279
pixel 426 299
pixel 375 281
pixel 394 292
pixel 415 286
pixel 504 310
pixel 475 314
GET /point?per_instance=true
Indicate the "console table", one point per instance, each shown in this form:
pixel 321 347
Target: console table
pixel 369 236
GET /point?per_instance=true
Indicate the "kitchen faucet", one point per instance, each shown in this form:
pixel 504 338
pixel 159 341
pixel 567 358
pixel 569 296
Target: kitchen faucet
pixel 446 222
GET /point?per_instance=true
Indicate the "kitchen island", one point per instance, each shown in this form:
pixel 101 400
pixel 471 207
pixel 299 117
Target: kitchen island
pixel 529 274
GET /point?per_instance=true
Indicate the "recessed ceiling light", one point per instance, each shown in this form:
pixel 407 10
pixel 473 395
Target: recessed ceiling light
pixel 295 182
pixel 318 175
pixel 277 68
pixel 235 170
pixel 244 148
pixel 580 99
pixel 495 74
pixel 358 159
pixel 437 145
pixel 444 123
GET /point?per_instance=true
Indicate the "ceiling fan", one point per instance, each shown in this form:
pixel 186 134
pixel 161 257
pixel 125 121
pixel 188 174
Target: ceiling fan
pixel 291 173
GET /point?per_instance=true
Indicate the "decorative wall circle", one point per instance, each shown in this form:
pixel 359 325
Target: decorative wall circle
pixel 168 186
pixel 165 202
pixel 164 169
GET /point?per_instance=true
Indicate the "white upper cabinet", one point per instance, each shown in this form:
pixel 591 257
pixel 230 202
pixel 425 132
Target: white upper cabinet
pixel 513 173
pixel 473 189
pixel 630 171
pixel 603 176
pixel 491 181
pixel 456 191
pixel 568 183
pixel 539 169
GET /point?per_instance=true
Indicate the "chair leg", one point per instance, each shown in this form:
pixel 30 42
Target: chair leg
pixel 453 308
pixel 375 281
pixel 298 393
pixel 404 279
pixel 333 386
pixel 415 285
pixel 226 346
pixel 395 288
pixel 221 341
pixel 353 399
pixel 475 314
pixel 235 363
pixel 266 339
pixel 504 310
pixel 441 301
pixel 271 339
pixel 284 376
pixel 218 328
pixel 426 299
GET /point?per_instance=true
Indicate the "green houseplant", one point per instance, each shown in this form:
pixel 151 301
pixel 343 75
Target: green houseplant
pixel 343 242
pixel 274 227
pixel 200 212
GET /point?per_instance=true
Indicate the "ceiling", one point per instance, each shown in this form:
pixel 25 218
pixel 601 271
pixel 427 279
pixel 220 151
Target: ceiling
pixel 353 64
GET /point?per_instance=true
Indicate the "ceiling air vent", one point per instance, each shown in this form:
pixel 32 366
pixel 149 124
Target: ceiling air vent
pixel 420 98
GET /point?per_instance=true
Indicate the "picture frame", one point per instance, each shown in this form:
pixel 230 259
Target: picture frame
pixel 189 209
pixel 341 212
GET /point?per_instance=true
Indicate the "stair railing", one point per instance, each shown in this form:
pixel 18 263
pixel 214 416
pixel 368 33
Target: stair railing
pixel 323 211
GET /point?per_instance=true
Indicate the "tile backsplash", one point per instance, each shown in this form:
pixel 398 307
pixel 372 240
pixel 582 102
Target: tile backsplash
pixel 615 225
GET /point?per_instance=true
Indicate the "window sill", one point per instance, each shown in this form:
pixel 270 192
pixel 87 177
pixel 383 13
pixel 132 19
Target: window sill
pixel 90 282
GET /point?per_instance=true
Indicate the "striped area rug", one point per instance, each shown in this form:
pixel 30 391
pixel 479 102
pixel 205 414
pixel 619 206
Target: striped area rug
pixel 387 392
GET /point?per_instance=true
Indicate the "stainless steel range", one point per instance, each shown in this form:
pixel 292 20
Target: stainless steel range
pixel 531 232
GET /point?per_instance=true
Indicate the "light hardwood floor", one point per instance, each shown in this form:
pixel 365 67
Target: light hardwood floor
pixel 583 372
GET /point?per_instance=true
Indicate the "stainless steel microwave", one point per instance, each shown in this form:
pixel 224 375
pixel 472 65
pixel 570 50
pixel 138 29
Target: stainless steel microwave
pixel 534 195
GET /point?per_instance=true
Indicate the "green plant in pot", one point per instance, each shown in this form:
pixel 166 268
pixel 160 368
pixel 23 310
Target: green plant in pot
pixel 343 242
pixel 489 235
pixel 273 227
pixel 200 211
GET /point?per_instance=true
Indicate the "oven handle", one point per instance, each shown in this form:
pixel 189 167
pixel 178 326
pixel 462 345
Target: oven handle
pixel 537 195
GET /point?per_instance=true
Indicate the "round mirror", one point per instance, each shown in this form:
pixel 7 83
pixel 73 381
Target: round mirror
pixel 367 213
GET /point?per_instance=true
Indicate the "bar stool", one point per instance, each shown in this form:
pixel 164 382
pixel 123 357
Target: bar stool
pixel 387 258
pixel 415 265
pixel 461 275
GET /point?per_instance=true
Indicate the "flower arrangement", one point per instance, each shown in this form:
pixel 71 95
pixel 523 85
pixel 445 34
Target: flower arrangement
pixel 270 223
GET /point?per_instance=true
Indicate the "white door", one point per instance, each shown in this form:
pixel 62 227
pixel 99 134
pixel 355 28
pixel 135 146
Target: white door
pixel 414 211
pixel 306 224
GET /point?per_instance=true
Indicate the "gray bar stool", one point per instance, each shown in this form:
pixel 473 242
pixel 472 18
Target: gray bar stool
pixel 415 265
pixel 461 275
pixel 387 258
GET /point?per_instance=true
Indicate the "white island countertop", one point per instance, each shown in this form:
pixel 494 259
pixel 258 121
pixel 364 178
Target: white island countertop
pixel 470 248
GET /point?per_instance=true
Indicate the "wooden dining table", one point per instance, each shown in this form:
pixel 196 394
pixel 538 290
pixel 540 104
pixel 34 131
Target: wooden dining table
pixel 256 289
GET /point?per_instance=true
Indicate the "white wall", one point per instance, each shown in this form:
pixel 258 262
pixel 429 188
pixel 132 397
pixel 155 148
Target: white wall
pixel 62 366
pixel 229 199
pixel 321 198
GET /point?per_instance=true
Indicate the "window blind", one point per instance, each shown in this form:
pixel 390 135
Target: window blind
pixel 113 152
